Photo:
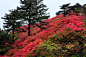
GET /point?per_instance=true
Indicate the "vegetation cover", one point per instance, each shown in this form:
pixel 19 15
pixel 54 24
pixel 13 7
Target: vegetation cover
pixel 63 37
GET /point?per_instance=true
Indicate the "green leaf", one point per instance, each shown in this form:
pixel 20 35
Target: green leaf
pixel 55 45
pixel 52 44
pixel 34 31
pixel 75 55
pixel 38 51
pixel 64 50
pixel 48 47
pixel 56 19
pixel 54 36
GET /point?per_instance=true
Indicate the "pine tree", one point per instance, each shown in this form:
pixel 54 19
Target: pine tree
pixel 72 8
pixel 11 22
pixel 65 9
pixel 84 8
pixel 59 12
pixel 33 11
pixel 5 40
pixel 77 6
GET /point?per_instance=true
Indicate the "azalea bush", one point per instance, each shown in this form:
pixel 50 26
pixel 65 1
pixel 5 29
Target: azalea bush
pixel 63 36
pixel 60 45
pixel 67 36
pixel 46 49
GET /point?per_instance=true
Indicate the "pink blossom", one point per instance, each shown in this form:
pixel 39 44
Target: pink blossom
pixel 7 43
pixel 72 45
pixel 59 56
pixel 50 36
pixel 26 26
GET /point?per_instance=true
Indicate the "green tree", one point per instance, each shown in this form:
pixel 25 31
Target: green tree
pixel 11 22
pixel 59 12
pixel 84 8
pixel 5 41
pixel 72 8
pixel 78 6
pixel 33 11
pixel 64 8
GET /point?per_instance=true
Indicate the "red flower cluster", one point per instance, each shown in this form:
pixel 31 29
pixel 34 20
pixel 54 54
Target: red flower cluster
pixel 25 44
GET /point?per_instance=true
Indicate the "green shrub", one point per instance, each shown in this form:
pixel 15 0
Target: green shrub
pixel 62 43
pixel 5 41
pixel 47 49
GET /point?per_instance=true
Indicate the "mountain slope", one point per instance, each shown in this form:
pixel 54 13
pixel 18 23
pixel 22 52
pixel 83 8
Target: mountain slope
pixel 58 24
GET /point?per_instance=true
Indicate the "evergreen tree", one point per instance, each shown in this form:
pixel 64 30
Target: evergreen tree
pixel 5 41
pixel 84 8
pixel 59 12
pixel 72 8
pixel 11 22
pixel 65 9
pixel 33 11
pixel 78 6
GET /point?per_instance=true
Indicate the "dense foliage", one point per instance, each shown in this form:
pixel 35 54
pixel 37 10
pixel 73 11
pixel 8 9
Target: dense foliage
pixel 11 22
pixel 65 8
pixel 63 36
pixel 77 8
pixel 33 11
pixel 5 41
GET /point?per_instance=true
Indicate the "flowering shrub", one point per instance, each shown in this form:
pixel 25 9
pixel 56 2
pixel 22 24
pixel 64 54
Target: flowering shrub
pixel 62 34
pixel 46 49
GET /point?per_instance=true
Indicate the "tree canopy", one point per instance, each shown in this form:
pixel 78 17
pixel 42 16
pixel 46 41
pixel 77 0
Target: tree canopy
pixel 33 11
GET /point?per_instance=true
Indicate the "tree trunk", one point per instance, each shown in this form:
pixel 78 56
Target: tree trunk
pixel 13 31
pixel 64 12
pixel 73 11
pixel 29 27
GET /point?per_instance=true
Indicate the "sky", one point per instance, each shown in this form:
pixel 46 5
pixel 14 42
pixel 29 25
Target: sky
pixel 53 5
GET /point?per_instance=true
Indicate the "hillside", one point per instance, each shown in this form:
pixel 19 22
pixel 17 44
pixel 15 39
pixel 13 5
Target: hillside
pixel 62 34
